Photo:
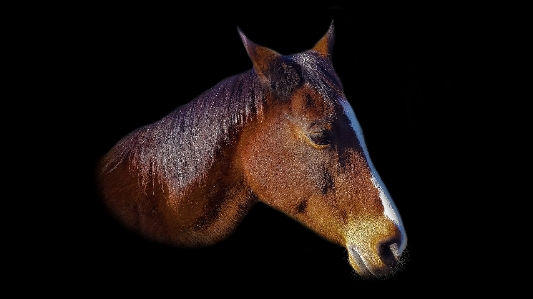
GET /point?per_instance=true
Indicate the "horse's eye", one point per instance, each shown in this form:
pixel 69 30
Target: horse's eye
pixel 320 138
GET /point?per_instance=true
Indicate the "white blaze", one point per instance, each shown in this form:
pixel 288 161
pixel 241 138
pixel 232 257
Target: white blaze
pixel 390 209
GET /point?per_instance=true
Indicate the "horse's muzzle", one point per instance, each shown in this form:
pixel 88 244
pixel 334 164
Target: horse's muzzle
pixel 377 256
pixel 378 261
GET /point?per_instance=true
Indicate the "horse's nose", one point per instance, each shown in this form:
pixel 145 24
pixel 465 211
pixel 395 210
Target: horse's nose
pixel 378 261
pixel 376 252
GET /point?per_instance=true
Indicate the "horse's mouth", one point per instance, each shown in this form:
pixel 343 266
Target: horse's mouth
pixel 367 270
pixel 358 263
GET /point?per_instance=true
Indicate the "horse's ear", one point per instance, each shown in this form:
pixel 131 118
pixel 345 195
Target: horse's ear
pixel 262 57
pixel 324 46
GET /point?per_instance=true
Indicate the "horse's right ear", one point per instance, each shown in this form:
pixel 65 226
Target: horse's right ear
pixel 324 46
pixel 262 57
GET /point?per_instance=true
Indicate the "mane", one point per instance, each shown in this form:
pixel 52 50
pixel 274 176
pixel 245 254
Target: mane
pixel 180 148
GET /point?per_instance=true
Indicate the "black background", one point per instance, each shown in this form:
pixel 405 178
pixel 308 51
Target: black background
pixel 413 72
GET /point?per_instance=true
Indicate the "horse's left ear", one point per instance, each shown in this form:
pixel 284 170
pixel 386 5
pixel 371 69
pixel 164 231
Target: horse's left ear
pixel 324 46
pixel 262 57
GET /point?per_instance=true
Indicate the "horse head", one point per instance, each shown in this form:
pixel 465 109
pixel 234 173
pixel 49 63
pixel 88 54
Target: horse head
pixel 305 156
pixel 283 134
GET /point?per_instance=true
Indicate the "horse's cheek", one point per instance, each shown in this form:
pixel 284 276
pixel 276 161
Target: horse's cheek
pixel 256 163
pixel 269 166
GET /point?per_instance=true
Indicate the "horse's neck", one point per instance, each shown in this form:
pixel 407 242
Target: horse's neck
pixel 179 179
pixel 210 209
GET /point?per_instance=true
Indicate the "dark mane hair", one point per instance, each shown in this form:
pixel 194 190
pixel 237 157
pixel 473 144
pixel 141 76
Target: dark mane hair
pixel 319 73
pixel 180 148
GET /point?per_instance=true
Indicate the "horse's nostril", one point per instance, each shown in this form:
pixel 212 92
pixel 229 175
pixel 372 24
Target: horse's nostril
pixel 389 252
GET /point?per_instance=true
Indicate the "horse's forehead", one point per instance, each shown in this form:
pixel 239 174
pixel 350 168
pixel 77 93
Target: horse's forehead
pixel 309 102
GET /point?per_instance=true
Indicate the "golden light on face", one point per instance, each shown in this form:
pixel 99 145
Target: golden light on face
pixel 372 246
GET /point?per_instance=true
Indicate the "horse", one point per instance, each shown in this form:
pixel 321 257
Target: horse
pixel 282 133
